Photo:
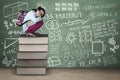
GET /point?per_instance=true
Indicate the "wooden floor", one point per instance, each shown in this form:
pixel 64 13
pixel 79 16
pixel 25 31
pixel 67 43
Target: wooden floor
pixel 64 74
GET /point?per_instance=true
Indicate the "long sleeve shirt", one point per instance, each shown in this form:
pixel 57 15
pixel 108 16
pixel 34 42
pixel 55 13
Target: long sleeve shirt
pixel 31 15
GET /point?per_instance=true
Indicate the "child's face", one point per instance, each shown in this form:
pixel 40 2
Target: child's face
pixel 39 13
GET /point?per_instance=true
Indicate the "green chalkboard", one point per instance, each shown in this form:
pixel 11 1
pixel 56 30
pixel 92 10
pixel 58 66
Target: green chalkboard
pixel 82 33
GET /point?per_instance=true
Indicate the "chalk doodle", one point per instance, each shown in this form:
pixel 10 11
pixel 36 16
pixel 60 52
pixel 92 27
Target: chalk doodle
pixel 55 36
pixel 88 35
pixel 95 61
pixel 6 25
pixel 65 48
pixel 66 15
pixel 8 62
pixel 13 41
pixel 52 25
pixel 85 36
pixel 97 47
pixel 92 15
pixel 113 43
pixel 74 22
pixel 71 37
pixel 11 10
pixel 54 61
pixel 66 56
pixel 109 60
pixel 82 63
pixel 66 6
pixel 72 63
pixel 9 24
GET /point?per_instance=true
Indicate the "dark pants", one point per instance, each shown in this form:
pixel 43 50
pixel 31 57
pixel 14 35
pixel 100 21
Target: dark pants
pixel 35 27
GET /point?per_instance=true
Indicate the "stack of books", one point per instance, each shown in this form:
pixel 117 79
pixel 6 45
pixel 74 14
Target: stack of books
pixel 32 54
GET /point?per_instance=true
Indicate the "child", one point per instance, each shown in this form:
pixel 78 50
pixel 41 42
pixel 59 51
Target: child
pixel 35 16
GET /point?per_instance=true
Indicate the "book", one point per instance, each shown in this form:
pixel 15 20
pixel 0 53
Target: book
pixel 37 35
pixel 29 47
pixel 33 40
pixel 32 63
pixel 31 70
pixel 31 55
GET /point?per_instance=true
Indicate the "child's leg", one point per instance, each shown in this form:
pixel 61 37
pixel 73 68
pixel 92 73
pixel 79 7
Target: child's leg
pixel 33 28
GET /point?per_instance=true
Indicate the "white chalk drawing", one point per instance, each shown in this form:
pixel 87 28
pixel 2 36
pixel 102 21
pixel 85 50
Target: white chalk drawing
pixel 105 28
pixel 113 42
pixel 6 62
pixel 72 55
pixel 106 14
pixel 72 63
pixel 14 22
pixel 6 25
pixel 109 60
pixel 96 61
pixel 99 60
pixel 79 57
pixel 71 37
pixel 14 40
pixel 92 15
pixel 10 52
pixel 85 36
pixel 74 28
pixel 54 61
pixel 88 35
pixel 66 6
pixel 92 62
pixel 9 62
pixel 66 56
pixel 99 6
pixel 52 24
pixel 82 64
pixel 54 49
pixel 14 32
pixel 58 16
pixel 69 55
pixel 9 58
pixel 14 62
pixel 97 47
pixel 81 36
pixel 70 23
pixel 65 48
pixel 55 36
pixel 11 10
pixel 10 24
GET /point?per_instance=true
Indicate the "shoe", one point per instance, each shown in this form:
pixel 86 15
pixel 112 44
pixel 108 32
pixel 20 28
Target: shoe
pixel 30 35
pixel 37 34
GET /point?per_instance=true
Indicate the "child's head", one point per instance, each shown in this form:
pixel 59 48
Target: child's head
pixel 40 12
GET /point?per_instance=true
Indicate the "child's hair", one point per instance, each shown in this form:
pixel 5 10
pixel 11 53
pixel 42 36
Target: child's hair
pixel 40 8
